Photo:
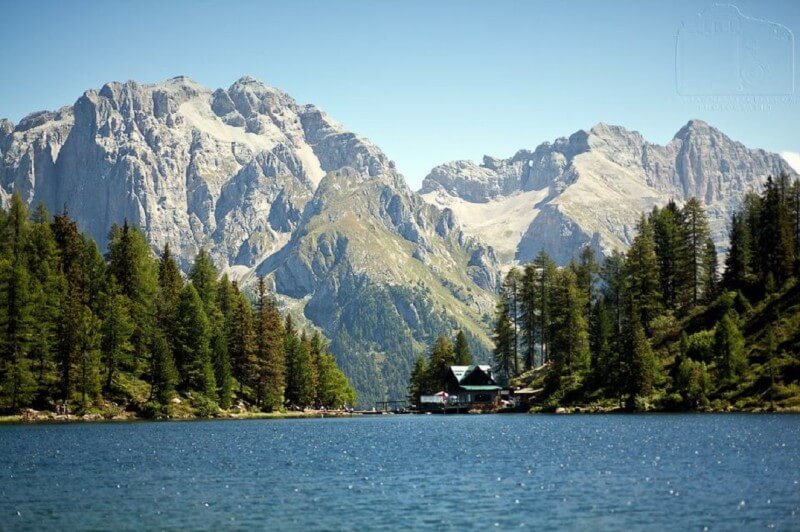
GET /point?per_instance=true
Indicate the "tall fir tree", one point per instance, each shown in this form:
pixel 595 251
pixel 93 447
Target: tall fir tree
pixel 729 348
pixel 738 261
pixel 193 350
pixel 503 339
pixel 442 357
pixel 642 274
pixel 270 353
pixel 528 316
pixel 545 274
pixel 693 267
pixel 463 355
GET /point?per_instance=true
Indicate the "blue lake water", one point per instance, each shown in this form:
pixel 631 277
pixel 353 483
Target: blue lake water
pixel 406 472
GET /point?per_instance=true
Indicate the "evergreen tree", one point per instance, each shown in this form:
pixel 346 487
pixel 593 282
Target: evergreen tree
pixel 334 389
pixel 299 376
pixel 116 332
pixel 46 285
pixel 418 385
pixel 242 342
pixel 586 273
pixel 193 351
pixel 270 354
pixel 16 311
pixel 694 235
pixel 729 348
pixel 570 334
pixel 204 278
pixel 601 339
pixel 774 237
pixel 667 238
pixel 511 291
pixel 641 363
pixel 642 274
pixel 503 339
pixel 132 264
pixel 739 259
pixel 545 273
pixel 89 352
pixel 711 280
pixel 528 318
pixel 71 302
pixel 164 375
pixel 463 355
pixel 442 357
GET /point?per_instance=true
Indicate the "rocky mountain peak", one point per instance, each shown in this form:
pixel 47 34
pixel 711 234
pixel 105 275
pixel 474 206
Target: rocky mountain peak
pixel 591 188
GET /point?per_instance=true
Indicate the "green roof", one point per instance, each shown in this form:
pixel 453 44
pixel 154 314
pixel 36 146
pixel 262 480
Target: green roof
pixel 483 388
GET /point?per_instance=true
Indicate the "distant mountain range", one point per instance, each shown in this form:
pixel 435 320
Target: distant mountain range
pixel 273 187
pixel 591 188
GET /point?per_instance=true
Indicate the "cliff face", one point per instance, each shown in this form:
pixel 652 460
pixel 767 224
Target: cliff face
pixel 268 186
pixel 591 188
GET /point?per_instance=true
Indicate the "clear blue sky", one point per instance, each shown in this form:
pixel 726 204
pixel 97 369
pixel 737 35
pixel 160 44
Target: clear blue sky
pixel 427 81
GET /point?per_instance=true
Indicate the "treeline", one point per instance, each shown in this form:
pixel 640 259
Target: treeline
pixel 595 325
pixel 429 375
pixel 81 330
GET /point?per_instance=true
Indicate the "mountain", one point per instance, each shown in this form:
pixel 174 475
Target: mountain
pixel 268 186
pixel 592 187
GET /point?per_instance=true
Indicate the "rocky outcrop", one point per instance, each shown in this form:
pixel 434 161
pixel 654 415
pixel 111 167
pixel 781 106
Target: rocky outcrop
pixel 591 188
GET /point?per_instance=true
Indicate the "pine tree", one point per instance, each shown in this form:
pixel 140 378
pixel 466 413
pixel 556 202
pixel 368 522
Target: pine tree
pixel 71 302
pixel 242 342
pixel 775 236
pixel 46 285
pixel 641 363
pixel 204 278
pixel 463 355
pixel 729 348
pixel 170 284
pixel 164 375
pixel 738 261
pixel 270 354
pixel 528 319
pixel 503 338
pixel 586 272
pixel 642 274
pixel 116 332
pixel 667 237
pixel 601 341
pixel 545 273
pixel 299 377
pixel 16 311
pixel 89 352
pixel 511 291
pixel 694 235
pixel 334 389
pixel 570 334
pixel 442 357
pixel 417 385
pixel 132 264
pixel 193 352
pixel 710 280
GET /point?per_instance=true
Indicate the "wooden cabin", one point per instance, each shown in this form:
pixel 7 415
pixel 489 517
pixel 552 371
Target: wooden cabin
pixel 472 385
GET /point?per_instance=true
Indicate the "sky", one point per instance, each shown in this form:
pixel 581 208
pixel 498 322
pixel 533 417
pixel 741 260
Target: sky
pixel 431 82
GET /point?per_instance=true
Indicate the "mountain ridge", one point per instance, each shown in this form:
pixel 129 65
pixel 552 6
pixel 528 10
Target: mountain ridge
pixel 591 187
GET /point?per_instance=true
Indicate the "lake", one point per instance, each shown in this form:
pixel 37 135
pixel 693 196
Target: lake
pixel 406 472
